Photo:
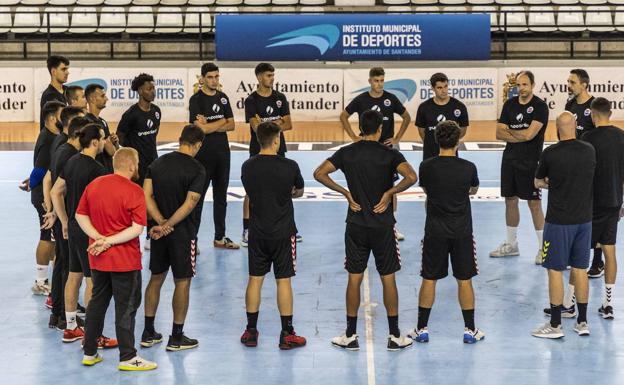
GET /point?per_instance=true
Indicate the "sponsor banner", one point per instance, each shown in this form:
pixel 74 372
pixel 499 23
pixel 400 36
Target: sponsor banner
pixel 323 194
pixel 335 37
pixel 313 94
pixel 16 95
pixel 171 89
pixel 477 88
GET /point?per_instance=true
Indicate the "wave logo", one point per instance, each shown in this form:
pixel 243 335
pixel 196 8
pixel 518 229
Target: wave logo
pixel 321 36
pixel 376 108
pixel 519 117
pixel 85 82
pixel 215 108
pixel 403 89
pixel 269 110
pixel 441 118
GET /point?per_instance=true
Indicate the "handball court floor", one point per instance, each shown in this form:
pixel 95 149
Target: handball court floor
pixel 510 296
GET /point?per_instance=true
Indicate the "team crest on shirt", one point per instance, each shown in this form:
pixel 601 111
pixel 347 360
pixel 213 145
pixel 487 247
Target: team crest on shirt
pixel 279 104
pixel 587 112
pixel 216 108
pixel 519 117
pixel 441 118
pixel 387 102
pixel 157 114
pixel 150 123
pixel 529 110
pixel 223 101
pixel 457 112
pixel 376 108
pixel 269 110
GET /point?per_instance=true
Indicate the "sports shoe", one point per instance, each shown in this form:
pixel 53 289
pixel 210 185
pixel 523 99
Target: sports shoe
pixel 226 243
pixel 398 343
pixel 92 360
pixel 48 302
pixel 250 338
pixel 290 340
pixel 606 312
pixel 298 238
pixel 348 343
pixel 582 329
pixel 399 235
pixel 104 342
pixel 506 250
pixel 81 311
pixel 547 331
pixel 596 271
pixel 566 312
pixel 181 343
pixel 57 322
pixel 421 335
pixel 539 257
pixel 473 336
pixel 71 335
pixel 244 238
pixel 41 288
pixel 137 364
pixel 149 339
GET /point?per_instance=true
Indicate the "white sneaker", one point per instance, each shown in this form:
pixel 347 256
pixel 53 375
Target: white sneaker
pixel 473 336
pixel 245 238
pixel 539 258
pixel 421 335
pixel 399 235
pixel 398 343
pixel 506 250
pixel 41 288
pixel 582 329
pixel 137 364
pixel 348 343
pixel 547 331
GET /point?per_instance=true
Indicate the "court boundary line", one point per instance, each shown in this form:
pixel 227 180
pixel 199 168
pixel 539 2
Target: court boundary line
pixel 368 317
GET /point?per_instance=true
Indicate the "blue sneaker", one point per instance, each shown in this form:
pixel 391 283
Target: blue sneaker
pixel 473 336
pixel 421 335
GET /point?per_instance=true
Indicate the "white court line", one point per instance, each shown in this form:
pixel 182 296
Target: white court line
pixel 368 317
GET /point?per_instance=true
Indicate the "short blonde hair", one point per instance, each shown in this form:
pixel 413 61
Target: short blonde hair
pixel 124 158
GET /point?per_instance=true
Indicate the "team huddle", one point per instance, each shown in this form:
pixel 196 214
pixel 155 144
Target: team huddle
pixel 96 192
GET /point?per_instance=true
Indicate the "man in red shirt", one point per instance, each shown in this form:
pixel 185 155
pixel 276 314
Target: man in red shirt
pixel 112 212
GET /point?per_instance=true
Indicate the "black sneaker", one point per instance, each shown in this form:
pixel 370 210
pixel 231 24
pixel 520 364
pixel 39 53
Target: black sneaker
pixel 250 338
pixel 57 322
pixel 80 322
pixel 148 339
pixel 181 342
pixel 606 312
pixel 596 270
pixel 566 312
pixel 81 311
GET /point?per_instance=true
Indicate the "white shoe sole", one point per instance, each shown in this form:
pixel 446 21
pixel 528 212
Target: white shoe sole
pixel 505 255
pixel 345 347
pixel 548 336
pixel 399 348
pixel 179 348
pixel 582 333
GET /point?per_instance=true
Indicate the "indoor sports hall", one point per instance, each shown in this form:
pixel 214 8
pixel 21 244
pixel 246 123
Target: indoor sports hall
pixel 323 54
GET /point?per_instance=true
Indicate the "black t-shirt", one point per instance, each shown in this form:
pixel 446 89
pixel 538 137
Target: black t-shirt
pixel 447 181
pixel 60 158
pixel 213 107
pixel 48 95
pixel 138 130
pixel 60 139
pixel 608 141
pixel 387 104
pixel 173 176
pixel 582 112
pixel 78 172
pixel 430 114
pixel 41 159
pixel 268 108
pixel 369 168
pixel 269 181
pixel 569 166
pixel 104 159
pixel 519 117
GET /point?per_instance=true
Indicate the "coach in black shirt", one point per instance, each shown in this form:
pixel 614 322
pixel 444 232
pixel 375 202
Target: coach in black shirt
pixel 369 168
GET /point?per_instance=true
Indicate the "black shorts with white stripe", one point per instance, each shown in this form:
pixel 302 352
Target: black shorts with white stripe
pixel 435 257
pixel 281 253
pixel 177 250
pixel 360 241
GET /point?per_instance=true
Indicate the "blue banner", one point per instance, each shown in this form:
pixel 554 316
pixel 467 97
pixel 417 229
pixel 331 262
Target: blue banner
pixel 348 37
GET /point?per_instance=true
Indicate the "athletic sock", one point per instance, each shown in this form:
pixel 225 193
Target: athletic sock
pixel 177 330
pixel 245 223
pixel 287 323
pixel 469 319
pixel 252 320
pixel 149 324
pixel 582 312
pixel 569 298
pixel 597 257
pixel 608 297
pixel 512 235
pixel 540 238
pixel 351 326
pixel 423 317
pixel 555 315
pixel 70 317
pixel 393 325
pixel 42 274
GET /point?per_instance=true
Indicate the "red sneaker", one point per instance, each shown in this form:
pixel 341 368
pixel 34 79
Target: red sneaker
pixel 291 340
pixel 250 338
pixel 70 335
pixel 48 302
pixel 107 343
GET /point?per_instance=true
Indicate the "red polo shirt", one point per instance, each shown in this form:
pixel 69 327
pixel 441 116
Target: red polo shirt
pixel 113 202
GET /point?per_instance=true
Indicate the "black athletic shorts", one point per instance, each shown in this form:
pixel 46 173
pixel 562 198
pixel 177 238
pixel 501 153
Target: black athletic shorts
pixel 78 244
pixel 435 258
pixel 44 235
pixel 604 226
pixel 360 241
pixel 281 253
pixel 178 251
pixel 518 179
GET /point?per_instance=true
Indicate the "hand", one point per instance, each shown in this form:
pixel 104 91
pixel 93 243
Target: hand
pixel 160 231
pixel 391 142
pixel 114 140
pixel 48 220
pixel 201 119
pixel 65 231
pixel 353 205
pixel 99 246
pixel 381 207
pixel 25 185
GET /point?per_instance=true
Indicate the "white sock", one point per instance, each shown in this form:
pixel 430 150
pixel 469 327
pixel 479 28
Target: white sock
pixel 42 274
pixel 540 237
pixel 512 235
pixel 70 316
pixel 608 297
pixel 569 299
